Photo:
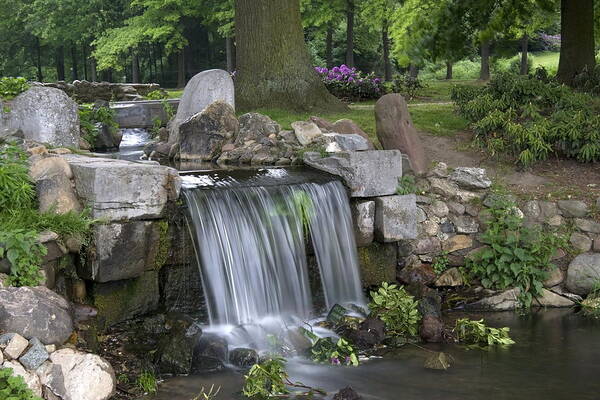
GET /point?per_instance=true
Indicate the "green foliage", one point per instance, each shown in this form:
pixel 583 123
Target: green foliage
pixel 408 86
pixel 17 189
pixel 13 387
pixel 22 249
pixel 406 185
pixel 476 333
pixel 531 119
pixel 590 307
pixel 90 118
pixel 440 263
pixel 326 350
pixel 304 205
pixel 211 394
pixel 514 254
pixel 157 95
pixel 396 308
pixel 147 382
pixel 12 87
pixel 266 380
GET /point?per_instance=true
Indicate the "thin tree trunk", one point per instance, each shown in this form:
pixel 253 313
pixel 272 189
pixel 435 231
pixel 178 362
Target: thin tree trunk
pixel 484 73
pixel 387 65
pixel 524 55
pixel 230 53
pixel 577 51
pixel 94 71
pixel 350 33
pixel 181 69
pixel 74 72
pixel 273 63
pixel 135 68
pixel 154 63
pixel 60 63
pixel 38 49
pixel 84 58
pixel 413 71
pixel 162 66
pixel 449 71
pixel 329 46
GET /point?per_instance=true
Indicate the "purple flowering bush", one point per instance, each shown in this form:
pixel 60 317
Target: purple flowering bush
pixel 350 84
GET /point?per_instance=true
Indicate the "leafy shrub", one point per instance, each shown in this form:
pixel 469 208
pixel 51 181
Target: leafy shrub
pixel 531 119
pixel 157 95
pixel 13 387
pixel 349 84
pixel 476 333
pixel 407 86
pixel 12 87
pixel 406 185
pixel 397 309
pixel 91 118
pixel 588 80
pixel 25 254
pixel 440 263
pixel 514 254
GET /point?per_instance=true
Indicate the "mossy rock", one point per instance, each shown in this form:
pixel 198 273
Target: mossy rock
pixel 378 263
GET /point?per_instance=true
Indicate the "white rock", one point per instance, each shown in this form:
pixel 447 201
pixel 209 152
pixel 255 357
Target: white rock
pixel 31 379
pixel 471 178
pixel 306 132
pixel 16 346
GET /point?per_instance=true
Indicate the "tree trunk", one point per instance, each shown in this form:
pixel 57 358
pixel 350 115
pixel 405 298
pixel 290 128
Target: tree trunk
pixel 84 59
pixel 387 65
pixel 60 63
pixel 230 52
pixel 350 34
pixel 413 71
pixel 484 73
pixel 38 49
pixel 93 70
pixel 524 55
pixel 74 72
pixel 273 64
pixel 162 66
pixel 135 68
pixel 181 69
pixel 329 46
pixel 577 51
pixel 449 71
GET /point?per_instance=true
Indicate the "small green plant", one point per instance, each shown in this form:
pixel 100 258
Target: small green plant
pixel 89 119
pixel 441 263
pixel 25 253
pixel 12 87
pixel 17 189
pixel 169 109
pixel 210 395
pixel 157 95
pixel 397 309
pixel 147 382
pixel 406 185
pixel 477 333
pixel 590 307
pixel 327 351
pixel 13 387
pixel 157 124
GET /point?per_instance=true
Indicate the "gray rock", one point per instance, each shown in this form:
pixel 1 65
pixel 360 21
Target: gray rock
pixel 581 242
pixel 201 91
pixel 35 312
pixel 555 277
pixel 450 278
pixel 456 208
pixel 366 173
pixel 306 132
pixel 465 224
pixel 583 273
pixel 15 347
pixel 105 185
pixel 53 381
pixel 5 338
pixel 44 115
pixel 243 358
pixel 471 178
pixel 444 187
pixel 587 225
pixel 202 136
pixel 363 215
pixel 440 209
pixel 254 126
pixel 35 356
pixel 532 210
pixel 395 218
pixel 573 208
pixel 427 246
pixel 336 142
pixel 509 300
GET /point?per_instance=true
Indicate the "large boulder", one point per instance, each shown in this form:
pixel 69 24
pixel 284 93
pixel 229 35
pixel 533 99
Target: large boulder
pixel 85 376
pixel 583 273
pixel 395 130
pixel 202 136
pixel 255 126
pixel 201 91
pixel 52 176
pixel 35 312
pixel 366 173
pixel 44 115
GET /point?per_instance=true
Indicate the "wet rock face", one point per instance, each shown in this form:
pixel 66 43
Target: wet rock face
pixel 347 394
pixel 370 333
pixel 243 358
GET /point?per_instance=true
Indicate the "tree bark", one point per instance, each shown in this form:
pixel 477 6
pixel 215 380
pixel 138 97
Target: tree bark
pixel 350 33
pixel 60 63
pixel 413 71
pixel 181 69
pixel 484 73
pixel 387 65
pixel 74 72
pixel 524 55
pixel 449 71
pixel 93 70
pixel 329 46
pixel 274 68
pixel 230 53
pixel 84 58
pixel 38 49
pixel 135 68
pixel 577 51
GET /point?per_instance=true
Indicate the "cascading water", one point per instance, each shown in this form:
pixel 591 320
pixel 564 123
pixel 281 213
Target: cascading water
pixel 250 244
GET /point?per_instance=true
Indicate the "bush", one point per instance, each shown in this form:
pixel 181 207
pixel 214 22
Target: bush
pixel 157 95
pixel 397 309
pixel 13 387
pixel 17 189
pixel 349 84
pixel 476 333
pixel 531 119
pixel 406 85
pixel 91 118
pixel 12 87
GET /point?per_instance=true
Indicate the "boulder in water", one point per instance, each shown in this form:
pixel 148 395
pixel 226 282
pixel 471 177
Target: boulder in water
pixel 347 394
pixel 243 358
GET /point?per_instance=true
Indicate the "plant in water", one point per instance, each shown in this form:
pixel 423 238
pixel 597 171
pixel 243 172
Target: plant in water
pixel 396 308
pixel 326 350
pixel 12 87
pixel 441 263
pixel 147 382
pixel 477 333
pixel 406 185
pixel 591 305
pixel 210 395
pixel 13 387
pixel 514 254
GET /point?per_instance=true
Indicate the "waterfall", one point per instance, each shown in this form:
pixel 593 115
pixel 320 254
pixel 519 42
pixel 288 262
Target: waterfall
pixel 250 241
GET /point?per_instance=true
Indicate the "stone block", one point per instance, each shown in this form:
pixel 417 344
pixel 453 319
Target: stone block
pixel 395 218
pixel 363 218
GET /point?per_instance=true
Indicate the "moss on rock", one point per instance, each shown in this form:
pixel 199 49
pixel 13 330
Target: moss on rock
pixel 377 263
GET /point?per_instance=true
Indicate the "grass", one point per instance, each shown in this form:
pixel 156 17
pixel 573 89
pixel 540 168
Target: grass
pixel 175 93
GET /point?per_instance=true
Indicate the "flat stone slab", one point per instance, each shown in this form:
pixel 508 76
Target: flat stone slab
pixel 396 218
pixel 367 173
pixel 119 190
pixel 141 114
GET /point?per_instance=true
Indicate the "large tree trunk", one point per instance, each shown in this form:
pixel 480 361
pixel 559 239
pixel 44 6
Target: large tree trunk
pixel 181 69
pixel 230 52
pixel 449 71
pixel 74 72
pixel 60 63
pixel 524 55
pixel 135 68
pixel 387 65
pixel 273 63
pixel 350 33
pixel 577 51
pixel 38 49
pixel 329 46
pixel 484 73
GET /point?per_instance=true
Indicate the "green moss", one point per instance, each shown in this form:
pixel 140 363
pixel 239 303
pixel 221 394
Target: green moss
pixel 377 264
pixel 164 244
